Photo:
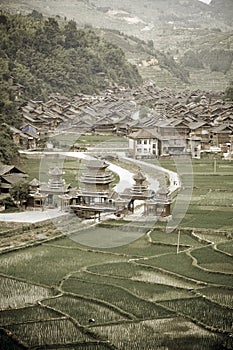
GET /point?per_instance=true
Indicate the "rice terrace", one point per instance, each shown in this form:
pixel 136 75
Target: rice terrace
pixel 149 294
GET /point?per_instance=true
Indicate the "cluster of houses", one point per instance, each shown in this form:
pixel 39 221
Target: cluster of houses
pixel 157 121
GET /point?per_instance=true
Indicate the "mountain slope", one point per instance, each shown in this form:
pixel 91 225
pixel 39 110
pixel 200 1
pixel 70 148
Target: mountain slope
pixel 39 57
pixel 133 17
pixel 45 57
pixel 222 10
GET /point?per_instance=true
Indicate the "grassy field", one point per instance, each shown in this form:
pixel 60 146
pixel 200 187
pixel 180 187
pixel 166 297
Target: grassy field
pixel 37 167
pixel 33 166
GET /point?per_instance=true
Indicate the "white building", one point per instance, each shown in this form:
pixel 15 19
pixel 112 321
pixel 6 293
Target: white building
pixel 143 144
pixel 147 143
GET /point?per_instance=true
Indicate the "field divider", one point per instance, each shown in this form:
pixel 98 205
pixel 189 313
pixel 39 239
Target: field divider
pixel 181 277
pixel 221 251
pixel 91 250
pixel 128 292
pixel 19 279
pixel 125 279
pixel 102 303
pixel 200 323
pixel 213 301
pixel 36 321
pixel 195 264
pixel 138 320
pixel 82 329
pixel 81 345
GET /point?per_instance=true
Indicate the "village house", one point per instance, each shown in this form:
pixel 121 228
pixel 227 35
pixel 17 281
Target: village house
pixel 220 135
pixel 9 176
pixel 201 129
pixel 26 138
pixel 161 140
pixel 143 144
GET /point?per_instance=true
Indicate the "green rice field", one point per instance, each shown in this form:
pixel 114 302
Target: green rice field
pixel 142 295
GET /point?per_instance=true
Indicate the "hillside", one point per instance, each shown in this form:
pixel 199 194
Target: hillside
pixel 134 17
pixel 223 10
pixel 40 57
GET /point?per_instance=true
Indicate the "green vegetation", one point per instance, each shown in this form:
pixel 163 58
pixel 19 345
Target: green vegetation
pixel 159 236
pixel 17 294
pixel 49 332
pixel 218 60
pixel 160 30
pixel 211 202
pixel 27 314
pixel 147 291
pixel 229 92
pixel 20 192
pixel 226 247
pixel 213 260
pixel 205 311
pixel 43 56
pixel 83 284
pixel 8 148
pixel 220 295
pixel 208 218
pixel 181 264
pixel 171 333
pixel 60 263
pixel 116 296
pixel 82 310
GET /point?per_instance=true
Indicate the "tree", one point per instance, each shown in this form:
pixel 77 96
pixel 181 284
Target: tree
pixel 36 15
pixel 20 192
pixel 70 31
pixel 229 92
pixel 8 149
pixel 150 43
pixel 191 59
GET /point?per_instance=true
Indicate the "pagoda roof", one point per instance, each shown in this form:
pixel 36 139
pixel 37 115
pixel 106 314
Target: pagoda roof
pixel 56 171
pixel 35 182
pixel 163 191
pixel 96 164
pixel 139 176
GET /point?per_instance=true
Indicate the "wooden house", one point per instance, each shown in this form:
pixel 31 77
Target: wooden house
pixel 9 176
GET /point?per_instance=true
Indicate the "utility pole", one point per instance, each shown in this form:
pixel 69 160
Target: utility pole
pixel 215 165
pixel 178 242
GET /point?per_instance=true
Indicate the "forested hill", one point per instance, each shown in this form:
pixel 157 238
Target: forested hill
pixel 46 56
